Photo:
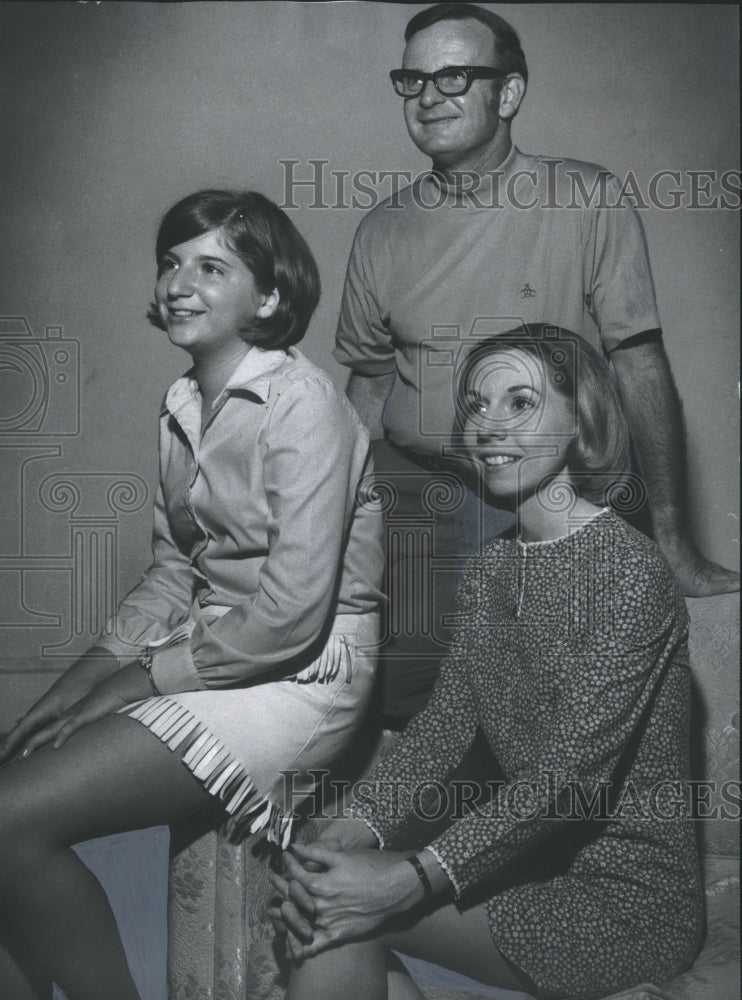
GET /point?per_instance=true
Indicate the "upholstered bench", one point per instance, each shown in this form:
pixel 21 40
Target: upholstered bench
pixel 221 946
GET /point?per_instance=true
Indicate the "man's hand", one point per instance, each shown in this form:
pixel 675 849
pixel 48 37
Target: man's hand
pixel 696 575
pixel 77 682
pixel 118 690
pixel 655 418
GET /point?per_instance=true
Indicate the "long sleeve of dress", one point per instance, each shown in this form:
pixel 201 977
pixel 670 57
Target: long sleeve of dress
pixel 551 736
pixel 431 747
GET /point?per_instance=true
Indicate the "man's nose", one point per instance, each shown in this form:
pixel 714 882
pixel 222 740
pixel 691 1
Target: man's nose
pixel 429 96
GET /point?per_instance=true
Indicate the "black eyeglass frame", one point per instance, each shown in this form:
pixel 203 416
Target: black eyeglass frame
pixel 471 73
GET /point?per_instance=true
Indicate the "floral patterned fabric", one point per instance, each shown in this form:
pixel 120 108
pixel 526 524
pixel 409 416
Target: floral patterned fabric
pixel 571 657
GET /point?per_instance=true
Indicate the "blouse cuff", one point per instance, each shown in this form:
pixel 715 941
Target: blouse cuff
pixel 125 652
pixel 173 670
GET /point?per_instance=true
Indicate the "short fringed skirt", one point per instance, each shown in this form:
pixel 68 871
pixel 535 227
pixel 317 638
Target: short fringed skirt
pixel 253 748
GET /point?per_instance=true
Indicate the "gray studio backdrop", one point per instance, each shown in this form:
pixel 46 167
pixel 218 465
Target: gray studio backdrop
pixel 111 111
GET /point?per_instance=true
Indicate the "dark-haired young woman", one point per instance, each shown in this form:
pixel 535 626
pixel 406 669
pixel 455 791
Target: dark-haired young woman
pixel 245 649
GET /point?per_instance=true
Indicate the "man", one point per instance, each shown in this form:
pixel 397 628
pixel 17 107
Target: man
pixel 492 238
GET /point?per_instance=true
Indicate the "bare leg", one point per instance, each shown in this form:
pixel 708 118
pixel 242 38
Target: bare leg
pixel 357 969
pixel 19 979
pixel 110 777
pixel 447 937
pixel 399 984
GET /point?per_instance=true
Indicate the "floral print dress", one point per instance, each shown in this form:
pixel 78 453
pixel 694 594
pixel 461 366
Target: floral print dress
pixel 571 658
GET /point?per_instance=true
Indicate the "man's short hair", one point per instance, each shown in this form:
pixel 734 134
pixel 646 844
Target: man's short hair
pixel 267 243
pixel 507 43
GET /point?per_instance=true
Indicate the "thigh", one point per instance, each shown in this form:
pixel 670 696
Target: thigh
pixel 459 940
pixel 109 777
pixel 20 977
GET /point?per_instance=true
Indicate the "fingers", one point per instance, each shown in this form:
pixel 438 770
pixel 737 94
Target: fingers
pixel 43 736
pixel 296 922
pixel 281 887
pixel 300 878
pixel 20 731
pixel 291 914
pixel 274 915
pixel 322 941
pixel 11 741
pixel 698 576
pixel 331 659
pixel 302 898
pixel 294 947
pixel 323 666
pixel 17 736
pixel 58 731
pixel 69 727
pixel 287 918
pixel 280 884
pixel 711 579
pixel 332 656
pixel 295 897
pixel 320 853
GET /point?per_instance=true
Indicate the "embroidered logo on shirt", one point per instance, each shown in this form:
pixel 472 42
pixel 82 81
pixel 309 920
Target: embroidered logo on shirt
pixel 527 292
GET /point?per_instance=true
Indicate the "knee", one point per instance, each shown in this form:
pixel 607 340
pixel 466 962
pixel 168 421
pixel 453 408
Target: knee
pixel 331 974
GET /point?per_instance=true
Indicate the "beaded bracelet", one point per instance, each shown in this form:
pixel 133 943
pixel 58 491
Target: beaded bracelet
pixel 422 875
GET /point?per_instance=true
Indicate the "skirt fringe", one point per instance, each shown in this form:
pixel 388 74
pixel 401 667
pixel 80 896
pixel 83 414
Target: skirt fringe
pixel 211 763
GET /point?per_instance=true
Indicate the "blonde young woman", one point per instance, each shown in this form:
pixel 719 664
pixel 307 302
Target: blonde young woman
pixel 580 876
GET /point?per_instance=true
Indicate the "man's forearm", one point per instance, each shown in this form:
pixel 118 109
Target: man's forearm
pixel 654 414
pixel 368 394
pixel 655 418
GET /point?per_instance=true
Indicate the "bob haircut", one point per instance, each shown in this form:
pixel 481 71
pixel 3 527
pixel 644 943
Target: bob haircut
pixel 598 456
pixel 267 243
pixel 507 43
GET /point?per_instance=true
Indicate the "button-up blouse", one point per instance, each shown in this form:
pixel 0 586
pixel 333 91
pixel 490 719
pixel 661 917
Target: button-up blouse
pixel 259 535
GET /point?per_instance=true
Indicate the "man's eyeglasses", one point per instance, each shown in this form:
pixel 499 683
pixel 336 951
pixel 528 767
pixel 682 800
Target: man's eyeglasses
pixel 450 81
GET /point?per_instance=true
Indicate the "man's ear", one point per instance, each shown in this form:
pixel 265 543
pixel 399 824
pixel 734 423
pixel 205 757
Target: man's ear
pixel 511 94
pixel 268 304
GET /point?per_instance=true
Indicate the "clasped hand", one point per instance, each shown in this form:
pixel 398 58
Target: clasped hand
pixel 329 894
